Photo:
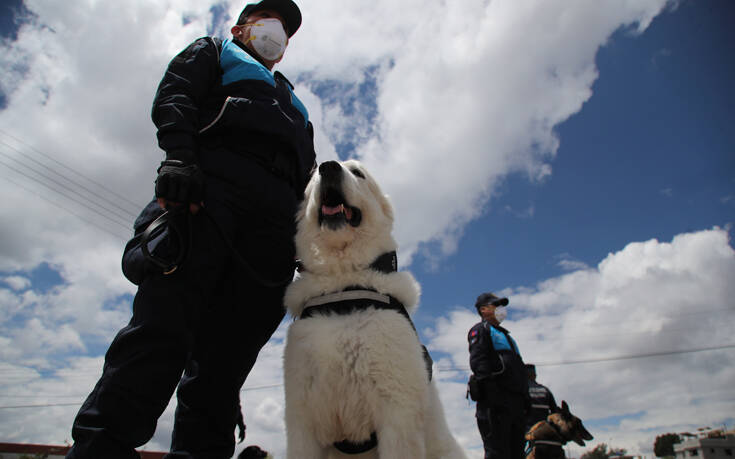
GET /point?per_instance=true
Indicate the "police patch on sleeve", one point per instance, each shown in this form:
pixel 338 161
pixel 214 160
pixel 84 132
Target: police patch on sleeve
pixel 473 336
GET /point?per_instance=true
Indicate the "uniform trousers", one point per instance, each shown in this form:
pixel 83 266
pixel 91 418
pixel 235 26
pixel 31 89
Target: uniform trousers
pixel 199 328
pixel 502 427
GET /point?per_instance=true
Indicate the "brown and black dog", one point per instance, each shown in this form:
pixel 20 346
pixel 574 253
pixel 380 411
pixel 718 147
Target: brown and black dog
pixel 546 439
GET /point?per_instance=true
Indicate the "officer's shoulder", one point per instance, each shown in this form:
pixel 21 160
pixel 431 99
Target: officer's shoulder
pixel 206 41
pixel 279 76
pixel 202 45
pixel 475 330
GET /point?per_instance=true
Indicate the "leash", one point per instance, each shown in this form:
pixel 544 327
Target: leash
pixel 168 221
pixel 156 229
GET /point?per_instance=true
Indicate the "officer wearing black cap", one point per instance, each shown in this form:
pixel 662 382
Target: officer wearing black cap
pixel 239 150
pixel 542 400
pixel 499 381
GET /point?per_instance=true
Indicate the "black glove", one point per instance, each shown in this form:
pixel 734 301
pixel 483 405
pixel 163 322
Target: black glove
pixel 179 182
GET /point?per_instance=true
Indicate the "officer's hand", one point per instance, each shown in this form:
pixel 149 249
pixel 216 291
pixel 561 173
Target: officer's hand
pixel 164 204
pixel 179 183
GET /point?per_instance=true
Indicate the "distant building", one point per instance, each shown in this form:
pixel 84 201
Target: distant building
pixel 18 450
pixel 716 445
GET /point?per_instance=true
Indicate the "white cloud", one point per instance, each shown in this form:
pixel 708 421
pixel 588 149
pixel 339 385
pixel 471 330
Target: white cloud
pixel 457 107
pixel 17 282
pixel 569 263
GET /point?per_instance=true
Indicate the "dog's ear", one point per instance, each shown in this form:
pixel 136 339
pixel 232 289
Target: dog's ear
pixel 383 199
pixel 565 408
pixel 386 206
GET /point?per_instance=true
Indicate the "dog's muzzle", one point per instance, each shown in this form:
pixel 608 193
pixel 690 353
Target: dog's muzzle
pixel 334 211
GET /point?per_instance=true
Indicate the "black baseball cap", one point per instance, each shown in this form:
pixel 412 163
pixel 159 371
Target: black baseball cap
pixel 286 8
pixel 490 298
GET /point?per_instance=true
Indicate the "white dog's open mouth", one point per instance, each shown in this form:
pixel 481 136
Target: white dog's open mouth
pixel 335 212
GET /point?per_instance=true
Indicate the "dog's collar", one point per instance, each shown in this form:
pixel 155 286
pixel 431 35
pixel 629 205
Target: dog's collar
pixel 352 299
pixel 545 433
pixel 341 302
pixel 386 263
pixel 533 442
pixel 547 442
pixel 348 447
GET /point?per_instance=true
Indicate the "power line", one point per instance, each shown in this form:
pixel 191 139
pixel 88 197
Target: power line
pixel 65 187
pixel 50 405
pixel 95 195
pixel 610 359
pixel 39 406
pixel 446 369
pixel 638 356
pixel 66 209
pixel 107 217
pixel 103 187
pixel 269 386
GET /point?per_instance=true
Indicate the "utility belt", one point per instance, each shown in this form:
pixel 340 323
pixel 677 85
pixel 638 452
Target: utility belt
pixel 271 153
pixel 162 242
pixel 482 389
pixel 490 389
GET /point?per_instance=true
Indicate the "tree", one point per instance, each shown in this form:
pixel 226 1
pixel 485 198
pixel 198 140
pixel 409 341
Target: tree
pixel 664 444
pixel 601 451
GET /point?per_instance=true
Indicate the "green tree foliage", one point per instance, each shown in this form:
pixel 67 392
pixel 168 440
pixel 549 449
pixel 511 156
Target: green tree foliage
pixel 664 444
pixel 602 451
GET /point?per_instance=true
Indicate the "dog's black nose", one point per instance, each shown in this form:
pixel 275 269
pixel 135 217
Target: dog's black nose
pixel 330 170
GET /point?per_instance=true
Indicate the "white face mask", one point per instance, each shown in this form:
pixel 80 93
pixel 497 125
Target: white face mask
pixel 500 313
pixel 268 38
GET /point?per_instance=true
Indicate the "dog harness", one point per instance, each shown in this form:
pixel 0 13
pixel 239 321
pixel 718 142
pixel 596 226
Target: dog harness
pixel 547 430
pixel 358 298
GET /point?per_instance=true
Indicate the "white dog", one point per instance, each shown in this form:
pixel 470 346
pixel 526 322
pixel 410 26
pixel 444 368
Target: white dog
pixel 356 376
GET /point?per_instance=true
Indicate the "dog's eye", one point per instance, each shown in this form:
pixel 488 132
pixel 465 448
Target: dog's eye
pixel 357 173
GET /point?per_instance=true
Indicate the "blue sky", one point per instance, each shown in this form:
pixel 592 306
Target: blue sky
pixel 650 155
pixel 578 158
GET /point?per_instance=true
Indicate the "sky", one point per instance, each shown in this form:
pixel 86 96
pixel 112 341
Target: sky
pixel 577 157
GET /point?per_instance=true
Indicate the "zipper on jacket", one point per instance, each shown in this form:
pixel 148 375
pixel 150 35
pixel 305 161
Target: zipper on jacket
pixel 219 115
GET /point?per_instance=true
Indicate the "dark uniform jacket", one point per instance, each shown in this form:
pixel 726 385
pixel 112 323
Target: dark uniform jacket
pixel 542 403
pixel 496 362
pixel 217 94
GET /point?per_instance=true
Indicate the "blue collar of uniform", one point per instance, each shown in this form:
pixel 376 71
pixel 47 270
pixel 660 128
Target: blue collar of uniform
pixel 487 325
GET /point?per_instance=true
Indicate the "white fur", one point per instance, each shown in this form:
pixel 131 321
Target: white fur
pixel 347 376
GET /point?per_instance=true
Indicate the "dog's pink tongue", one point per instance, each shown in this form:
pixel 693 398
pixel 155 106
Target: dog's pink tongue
pixel 332 210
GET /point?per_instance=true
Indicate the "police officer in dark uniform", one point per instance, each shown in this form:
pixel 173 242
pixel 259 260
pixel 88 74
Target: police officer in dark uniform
pixel 500 374
pixel 238 153
pixel 542 400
